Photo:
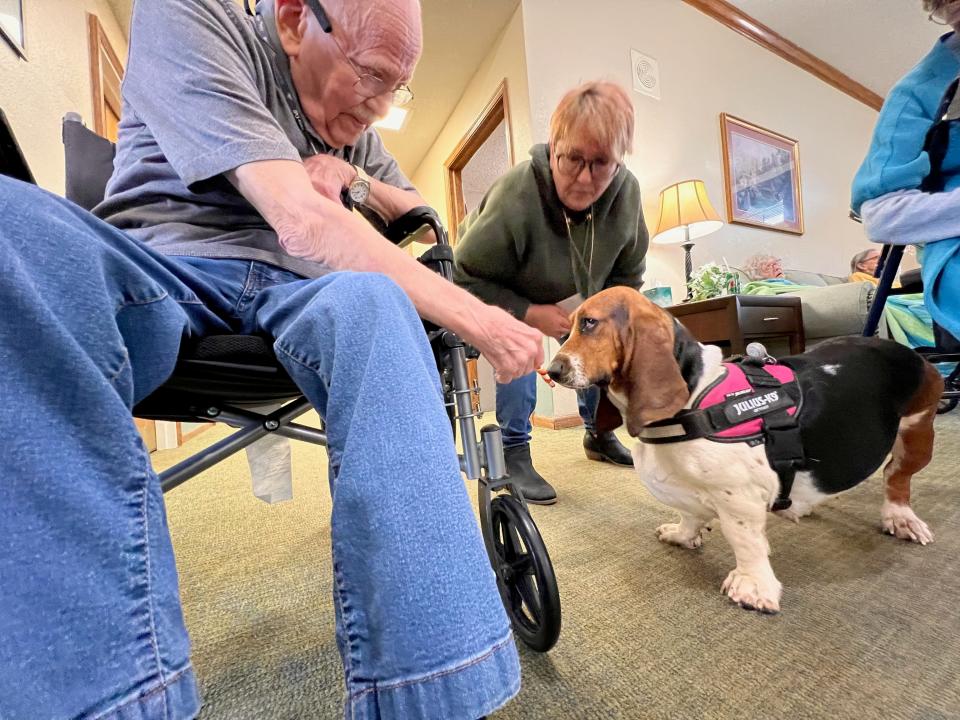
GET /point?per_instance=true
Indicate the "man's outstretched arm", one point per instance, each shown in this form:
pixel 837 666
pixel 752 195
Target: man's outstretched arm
pixel 314 227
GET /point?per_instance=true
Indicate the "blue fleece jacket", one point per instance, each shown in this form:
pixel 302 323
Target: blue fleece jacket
pixel 896 162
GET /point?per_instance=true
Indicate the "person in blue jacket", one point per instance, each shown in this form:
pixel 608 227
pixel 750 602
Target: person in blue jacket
pixel 886 189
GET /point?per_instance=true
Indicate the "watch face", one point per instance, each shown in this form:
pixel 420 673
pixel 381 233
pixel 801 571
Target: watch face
pixel 359 191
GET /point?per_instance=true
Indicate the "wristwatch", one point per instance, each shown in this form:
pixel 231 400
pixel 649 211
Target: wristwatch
pixel 359 188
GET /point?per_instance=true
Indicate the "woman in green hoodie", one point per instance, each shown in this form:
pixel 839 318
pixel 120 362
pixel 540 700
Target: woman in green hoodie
pixel 565 223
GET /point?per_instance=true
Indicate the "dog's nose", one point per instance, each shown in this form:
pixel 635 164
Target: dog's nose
pixel 558 368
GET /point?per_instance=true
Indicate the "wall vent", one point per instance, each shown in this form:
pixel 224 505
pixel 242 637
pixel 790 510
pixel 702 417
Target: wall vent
pixel 646 74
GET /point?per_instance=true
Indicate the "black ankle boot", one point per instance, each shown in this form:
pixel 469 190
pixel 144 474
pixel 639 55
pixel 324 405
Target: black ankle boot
pixel 605 447
pixel 520 468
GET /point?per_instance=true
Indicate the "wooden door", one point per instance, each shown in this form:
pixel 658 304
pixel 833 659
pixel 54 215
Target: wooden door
pixel 481 156
pixel 106 74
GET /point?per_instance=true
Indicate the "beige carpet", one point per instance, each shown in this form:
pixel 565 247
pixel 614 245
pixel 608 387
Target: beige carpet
pixel 869 627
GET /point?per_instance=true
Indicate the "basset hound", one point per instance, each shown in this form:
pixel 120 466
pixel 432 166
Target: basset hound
pixel 859 399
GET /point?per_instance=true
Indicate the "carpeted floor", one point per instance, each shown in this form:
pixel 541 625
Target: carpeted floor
pixel 868 630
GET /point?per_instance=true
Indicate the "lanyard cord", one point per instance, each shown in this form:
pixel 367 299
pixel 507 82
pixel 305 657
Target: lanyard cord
pixel 292 102
pixel 577 255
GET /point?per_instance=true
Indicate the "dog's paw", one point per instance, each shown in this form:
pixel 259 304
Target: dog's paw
pixel 670 533
pixel 789 514
pixel 752 593
pixel 901 521
pixel 795 512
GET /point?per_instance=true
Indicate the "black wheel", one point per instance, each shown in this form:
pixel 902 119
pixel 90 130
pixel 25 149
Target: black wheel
pixel 947 405
pixel 524 574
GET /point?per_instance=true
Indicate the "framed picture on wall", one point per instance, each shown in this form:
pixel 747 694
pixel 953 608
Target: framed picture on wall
pixel 11 24
pixel 761 176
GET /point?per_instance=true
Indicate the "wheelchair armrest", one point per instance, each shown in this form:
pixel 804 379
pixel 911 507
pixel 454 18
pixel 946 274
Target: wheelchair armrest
pixel 406 228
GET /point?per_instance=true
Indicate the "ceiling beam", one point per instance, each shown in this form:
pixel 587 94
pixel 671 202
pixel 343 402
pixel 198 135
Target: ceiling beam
pixel 737 20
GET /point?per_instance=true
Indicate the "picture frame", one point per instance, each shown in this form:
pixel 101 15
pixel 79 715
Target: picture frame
pixel 761 171
pixel 11 25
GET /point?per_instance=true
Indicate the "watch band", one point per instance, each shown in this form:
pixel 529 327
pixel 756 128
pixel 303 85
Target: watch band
pixel 361 173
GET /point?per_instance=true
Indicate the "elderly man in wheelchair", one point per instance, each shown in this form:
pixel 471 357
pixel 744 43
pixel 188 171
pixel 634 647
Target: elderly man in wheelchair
pixel 223 217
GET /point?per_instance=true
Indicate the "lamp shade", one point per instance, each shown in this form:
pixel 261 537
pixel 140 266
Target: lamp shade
pixel 685 206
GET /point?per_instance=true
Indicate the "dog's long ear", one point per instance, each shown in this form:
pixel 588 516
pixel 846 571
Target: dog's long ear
pixel 608 417
pixel 655 387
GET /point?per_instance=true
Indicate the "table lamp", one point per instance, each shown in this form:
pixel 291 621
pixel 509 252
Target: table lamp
pixel 685 214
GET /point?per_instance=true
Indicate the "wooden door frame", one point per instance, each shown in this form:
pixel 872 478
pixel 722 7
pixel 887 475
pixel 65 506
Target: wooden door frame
pixel 104 93
pixel 495 111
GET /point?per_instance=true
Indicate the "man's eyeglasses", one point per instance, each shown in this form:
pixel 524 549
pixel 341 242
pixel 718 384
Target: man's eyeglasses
pixel 368 85
pixel 573 165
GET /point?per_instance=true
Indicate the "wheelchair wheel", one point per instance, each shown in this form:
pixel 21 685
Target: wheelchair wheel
pixel 524 574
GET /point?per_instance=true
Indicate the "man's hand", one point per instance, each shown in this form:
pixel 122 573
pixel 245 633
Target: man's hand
pixel 329 175
pixel 548 319
pixel 514 349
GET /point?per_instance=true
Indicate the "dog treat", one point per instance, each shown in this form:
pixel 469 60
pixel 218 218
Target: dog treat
pixel 546 378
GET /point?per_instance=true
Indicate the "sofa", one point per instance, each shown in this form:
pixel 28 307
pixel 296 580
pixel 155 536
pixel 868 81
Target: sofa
pixel 832 306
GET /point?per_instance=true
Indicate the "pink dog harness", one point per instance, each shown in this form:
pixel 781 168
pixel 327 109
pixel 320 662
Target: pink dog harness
pixel 747 406
pixel 751 402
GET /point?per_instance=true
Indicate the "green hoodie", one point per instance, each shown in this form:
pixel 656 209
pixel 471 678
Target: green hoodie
pixel 514 249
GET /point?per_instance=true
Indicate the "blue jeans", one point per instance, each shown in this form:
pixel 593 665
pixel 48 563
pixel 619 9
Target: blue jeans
pixel 91 624
pixel 516 402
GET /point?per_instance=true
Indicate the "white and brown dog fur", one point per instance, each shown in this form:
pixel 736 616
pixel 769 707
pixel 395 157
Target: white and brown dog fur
pixel 863 398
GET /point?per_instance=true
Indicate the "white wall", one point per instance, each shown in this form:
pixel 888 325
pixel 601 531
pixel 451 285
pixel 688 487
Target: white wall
pixel 505 60
pixel 55 79
pixel 705 69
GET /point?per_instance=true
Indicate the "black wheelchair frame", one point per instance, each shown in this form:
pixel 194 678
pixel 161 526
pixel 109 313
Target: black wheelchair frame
pixel 225 378
pixel 947 347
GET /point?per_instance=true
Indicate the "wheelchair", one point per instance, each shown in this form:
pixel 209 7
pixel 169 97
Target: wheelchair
pixel 946 347
pixel 226 378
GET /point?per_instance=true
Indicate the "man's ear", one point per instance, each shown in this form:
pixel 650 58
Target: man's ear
pixel 608 417
pixel 291 25
pixel 655 388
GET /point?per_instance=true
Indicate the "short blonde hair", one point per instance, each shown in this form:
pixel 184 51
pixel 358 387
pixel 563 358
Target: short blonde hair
pixel 600 110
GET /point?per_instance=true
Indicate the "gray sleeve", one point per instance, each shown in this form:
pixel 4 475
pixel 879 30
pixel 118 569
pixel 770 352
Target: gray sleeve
pixel 379 164
pixel 910 217
pixel 190 80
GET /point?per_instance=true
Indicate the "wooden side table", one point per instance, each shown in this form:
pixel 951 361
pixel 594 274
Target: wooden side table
pixel 733 321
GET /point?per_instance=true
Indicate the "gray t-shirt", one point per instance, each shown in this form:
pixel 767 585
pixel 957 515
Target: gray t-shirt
pixel 207 89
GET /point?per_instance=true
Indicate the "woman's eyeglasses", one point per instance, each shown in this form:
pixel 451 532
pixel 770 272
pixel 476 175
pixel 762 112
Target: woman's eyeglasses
pixel 368 84
pixel 573 165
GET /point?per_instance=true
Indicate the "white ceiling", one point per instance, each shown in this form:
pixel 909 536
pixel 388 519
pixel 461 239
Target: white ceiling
pixel 872 41
pixel 457 36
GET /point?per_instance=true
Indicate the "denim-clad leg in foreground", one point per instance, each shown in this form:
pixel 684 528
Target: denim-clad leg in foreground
pixel 91 623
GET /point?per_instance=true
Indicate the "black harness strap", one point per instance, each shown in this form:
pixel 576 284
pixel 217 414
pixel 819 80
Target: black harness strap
pixel 784 444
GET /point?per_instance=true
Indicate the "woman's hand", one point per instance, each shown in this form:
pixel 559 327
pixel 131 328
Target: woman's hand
pixel 548 319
